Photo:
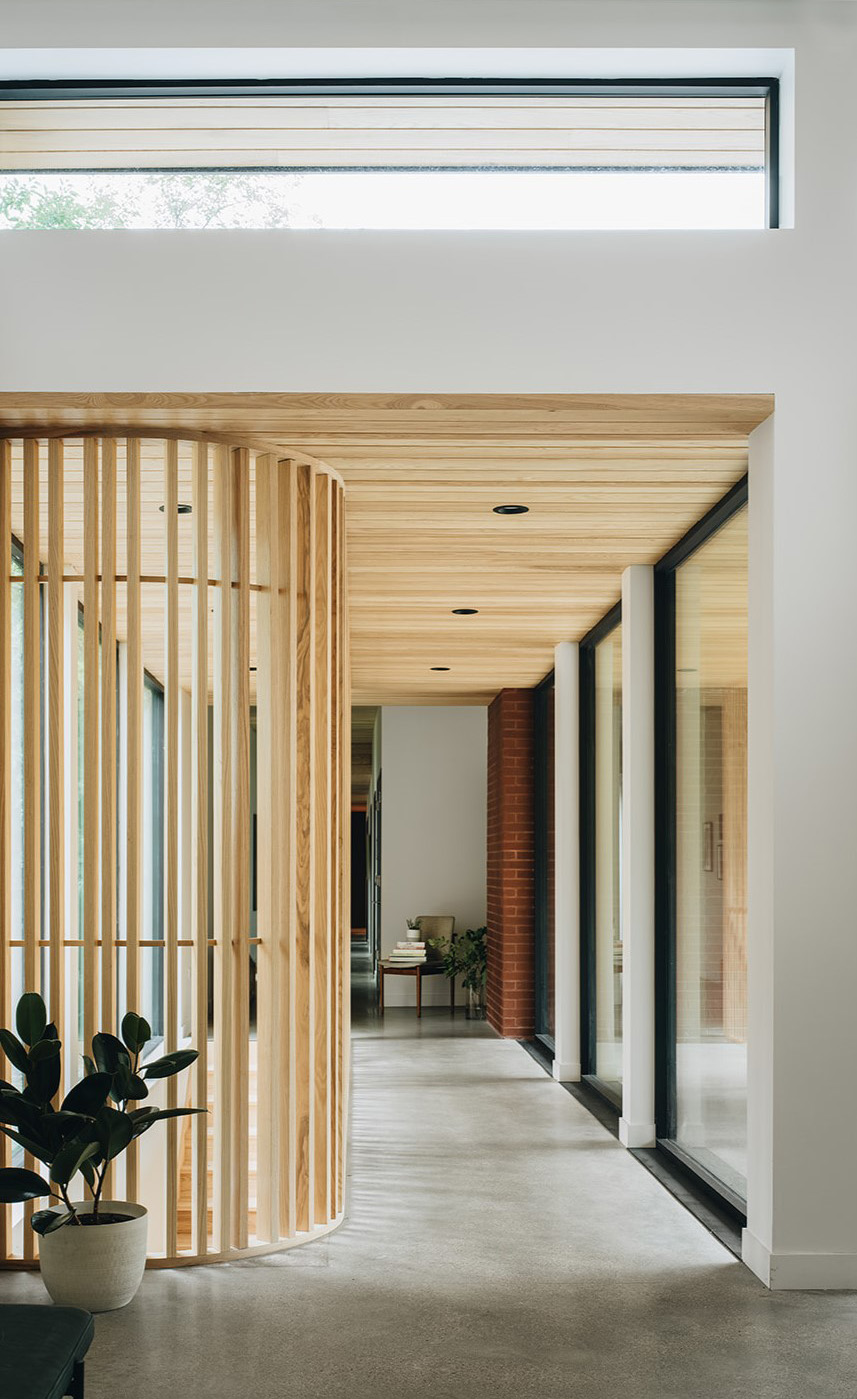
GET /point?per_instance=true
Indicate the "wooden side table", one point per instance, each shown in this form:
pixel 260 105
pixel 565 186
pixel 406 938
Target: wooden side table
pixel 418 972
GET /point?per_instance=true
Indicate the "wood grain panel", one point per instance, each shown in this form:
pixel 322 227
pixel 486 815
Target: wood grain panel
pixel 56 729
pixel 289 560
pixel 334 830
pixel 304 1041
pixel 199 839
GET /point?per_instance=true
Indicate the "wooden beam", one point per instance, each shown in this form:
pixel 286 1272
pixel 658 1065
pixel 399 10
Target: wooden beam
pixel 108 735
pixel 287 530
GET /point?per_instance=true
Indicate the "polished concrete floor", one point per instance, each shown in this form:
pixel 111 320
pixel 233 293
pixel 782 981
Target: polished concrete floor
pixel 499 1243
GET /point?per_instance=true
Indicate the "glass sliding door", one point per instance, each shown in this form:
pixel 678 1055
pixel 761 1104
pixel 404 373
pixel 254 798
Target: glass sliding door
pixel 545 865
pixel 704 1112
pixel 601 871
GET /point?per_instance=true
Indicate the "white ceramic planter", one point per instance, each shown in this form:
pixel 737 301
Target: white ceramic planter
pixel 97 1267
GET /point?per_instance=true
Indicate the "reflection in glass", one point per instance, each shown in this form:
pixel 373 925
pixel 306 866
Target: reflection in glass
pixel 711 854
pixel 608 864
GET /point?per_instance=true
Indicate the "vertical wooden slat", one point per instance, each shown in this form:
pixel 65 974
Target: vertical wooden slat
pixel 335 843
pixel 89 758
pixel 240 694
pixel 108 735
pixel 287 505
pixel 199 836
pixel 56 720
pixel 321 932
pixel 344 1070
pixel 171 822
pixel 32 721
pixel 269 848
pixel 134 764
pixel 222 778
pixel 304 833
pixel 5 782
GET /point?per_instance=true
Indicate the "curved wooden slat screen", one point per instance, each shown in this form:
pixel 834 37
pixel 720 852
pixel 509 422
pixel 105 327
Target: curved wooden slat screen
pixel 174 784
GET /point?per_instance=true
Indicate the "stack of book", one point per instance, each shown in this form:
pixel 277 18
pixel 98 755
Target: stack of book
pixel 408 954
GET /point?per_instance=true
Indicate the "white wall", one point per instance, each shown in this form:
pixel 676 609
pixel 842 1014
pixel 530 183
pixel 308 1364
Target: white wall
pixel 601 313
pixel 433 841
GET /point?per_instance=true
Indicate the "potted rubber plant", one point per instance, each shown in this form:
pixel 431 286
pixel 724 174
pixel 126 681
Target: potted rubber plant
pixel 466 955
pixel 92 1253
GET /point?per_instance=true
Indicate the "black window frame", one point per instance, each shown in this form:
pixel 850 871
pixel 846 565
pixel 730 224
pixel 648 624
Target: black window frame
pixel 541 911
pixel 26 90
pixel 665 569
pixel 588 851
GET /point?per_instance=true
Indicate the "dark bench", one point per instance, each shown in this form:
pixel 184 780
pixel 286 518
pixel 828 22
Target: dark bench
pixel 42 1351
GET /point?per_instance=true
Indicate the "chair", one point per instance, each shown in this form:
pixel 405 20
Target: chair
pixel 42 1350
pixel 436 925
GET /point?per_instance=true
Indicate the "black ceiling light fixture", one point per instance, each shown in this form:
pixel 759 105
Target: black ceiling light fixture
pixel 464 611
pixel 440 667
pixel 181 509
pixel 511 509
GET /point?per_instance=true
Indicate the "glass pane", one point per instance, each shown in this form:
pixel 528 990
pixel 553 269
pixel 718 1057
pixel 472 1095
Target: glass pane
pixel 608 863
pixel 711 854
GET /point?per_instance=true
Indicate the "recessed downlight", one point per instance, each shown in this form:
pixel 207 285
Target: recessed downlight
pixel 181 509
pixel 511 509
pixel 440 667
pixel 464 611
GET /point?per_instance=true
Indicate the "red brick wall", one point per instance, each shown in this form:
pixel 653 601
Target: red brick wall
pixel 511 888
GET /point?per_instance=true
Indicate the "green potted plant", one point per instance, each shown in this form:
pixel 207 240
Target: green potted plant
pixel 99 1268
pixel 466 955
pixel 412 928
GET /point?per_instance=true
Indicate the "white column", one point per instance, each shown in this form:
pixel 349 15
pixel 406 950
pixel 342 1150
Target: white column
pixel 802 833
pixel 566 1064
pixel 637 1123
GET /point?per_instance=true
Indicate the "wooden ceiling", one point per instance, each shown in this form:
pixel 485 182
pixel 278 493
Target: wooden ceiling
pixel 536 132
pixel 609 481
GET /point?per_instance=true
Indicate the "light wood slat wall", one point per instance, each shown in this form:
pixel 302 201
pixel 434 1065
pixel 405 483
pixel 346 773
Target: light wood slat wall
pixel 171 821
pixel 134 762
pixel 345 837
pixel 56 728
pixel 199 838
pixel 534 132
pixel 5 784
pixel 274 1176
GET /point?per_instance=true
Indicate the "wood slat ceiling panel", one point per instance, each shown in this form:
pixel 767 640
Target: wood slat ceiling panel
pixel 609 482
pixel 536 132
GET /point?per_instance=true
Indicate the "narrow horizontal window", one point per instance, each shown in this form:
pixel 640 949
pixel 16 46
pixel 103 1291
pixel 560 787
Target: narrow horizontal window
pixel 456 155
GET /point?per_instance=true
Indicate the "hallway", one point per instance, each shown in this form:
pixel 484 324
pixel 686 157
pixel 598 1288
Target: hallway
pixel 498 1242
